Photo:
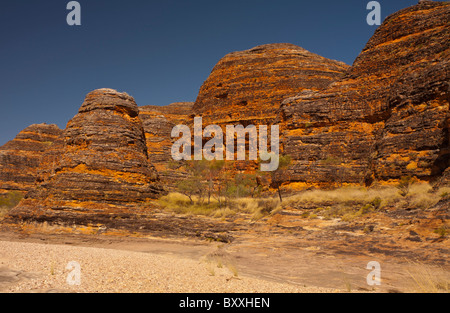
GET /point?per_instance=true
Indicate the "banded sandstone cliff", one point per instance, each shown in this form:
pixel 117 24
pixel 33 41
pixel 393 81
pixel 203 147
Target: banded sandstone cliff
pixel 385 117
pixel 20 158
pixel 100 167
pixel 388 117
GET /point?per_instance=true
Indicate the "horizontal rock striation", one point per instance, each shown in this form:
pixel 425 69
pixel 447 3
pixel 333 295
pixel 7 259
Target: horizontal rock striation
pixel 388 117
pixel 158 122
pixel 247 87
pixel 20 158
pixel 101 166
pixel 385 117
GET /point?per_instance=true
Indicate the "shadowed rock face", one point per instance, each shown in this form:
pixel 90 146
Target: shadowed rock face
pixel 20 158
pixel 389 117
pixel 158 122
pixel 102 162
pixel 248 86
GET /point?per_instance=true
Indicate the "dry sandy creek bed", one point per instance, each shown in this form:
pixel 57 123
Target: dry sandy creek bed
pixel 264 257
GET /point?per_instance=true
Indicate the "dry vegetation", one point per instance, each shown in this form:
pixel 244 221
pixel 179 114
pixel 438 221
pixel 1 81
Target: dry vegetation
pixel 257 208
pixel 425 279
pixel 345 203
pixel 348 203
pixel 9 201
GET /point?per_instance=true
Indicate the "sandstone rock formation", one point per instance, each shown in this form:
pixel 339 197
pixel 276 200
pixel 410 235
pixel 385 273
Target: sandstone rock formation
pixel 385 117
pixel 158 122
pixel 20 158
pixel 388 117
pixel 247 87
pixel 101 167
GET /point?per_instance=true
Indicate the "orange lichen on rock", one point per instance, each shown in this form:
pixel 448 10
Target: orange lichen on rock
pixel 247 87
pixel 158 122
pixel 102 160
pixel 20 158
pixel 397 91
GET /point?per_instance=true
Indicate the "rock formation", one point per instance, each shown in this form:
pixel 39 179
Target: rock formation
pixel 20 158
pixel 102 165
pixel 247 87
pixel 388 117
pixel 385 117
pixel 158 122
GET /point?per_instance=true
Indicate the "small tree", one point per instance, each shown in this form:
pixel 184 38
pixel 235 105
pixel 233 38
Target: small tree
pixel 244 185
pixel 194 184
pixel 188 188
pixel 213 170
pixel 279 176
pixel 224 180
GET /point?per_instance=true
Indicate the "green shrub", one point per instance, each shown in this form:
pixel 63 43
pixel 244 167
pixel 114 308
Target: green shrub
pixel 404 185
pixel 376 203
pixel 9 201
pixel 331 161
pixel 442 231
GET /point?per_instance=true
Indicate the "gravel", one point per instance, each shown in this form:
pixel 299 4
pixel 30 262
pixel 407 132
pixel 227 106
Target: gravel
pixel 44 268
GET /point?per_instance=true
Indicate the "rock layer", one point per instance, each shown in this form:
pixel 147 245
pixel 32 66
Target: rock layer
pixel 247 87
pixel 385 117
pixel 20 158
pixel 102 163
pixel 158 122
pixel 388 117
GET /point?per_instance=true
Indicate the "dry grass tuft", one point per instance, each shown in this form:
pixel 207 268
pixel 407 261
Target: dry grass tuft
pixel 427 279
pixel 354 195
pixel 256 208
pixel 349 203
pixel 9 201
pixel 346 203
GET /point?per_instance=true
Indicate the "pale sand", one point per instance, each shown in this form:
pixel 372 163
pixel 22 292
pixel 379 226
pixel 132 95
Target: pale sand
pixel 33 267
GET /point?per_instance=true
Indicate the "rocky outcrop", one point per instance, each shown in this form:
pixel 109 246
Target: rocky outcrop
pixel 247 87
pixel 388 117
pixel 102 165
pixel 385 117
pixel 158 122
pixel 20 158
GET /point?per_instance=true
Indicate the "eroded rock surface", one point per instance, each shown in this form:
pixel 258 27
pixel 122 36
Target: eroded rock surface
pixel 248 87
pixel 20 158
pixel 100 167
pixel 388 117
pixel 158 122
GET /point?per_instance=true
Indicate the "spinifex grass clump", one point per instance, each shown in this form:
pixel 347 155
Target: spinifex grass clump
pixel 256 208
pixel 9 201
pixel 350 203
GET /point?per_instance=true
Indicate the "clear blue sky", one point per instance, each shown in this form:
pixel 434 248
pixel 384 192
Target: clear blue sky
pixel 158 51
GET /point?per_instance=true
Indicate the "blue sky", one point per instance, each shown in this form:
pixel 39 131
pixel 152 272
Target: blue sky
pixel 158 51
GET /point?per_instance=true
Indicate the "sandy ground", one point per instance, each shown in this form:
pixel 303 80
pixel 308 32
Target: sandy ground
pixel 253 263
pixel 37 267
